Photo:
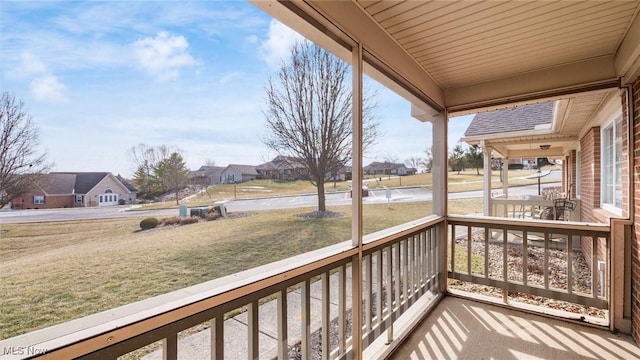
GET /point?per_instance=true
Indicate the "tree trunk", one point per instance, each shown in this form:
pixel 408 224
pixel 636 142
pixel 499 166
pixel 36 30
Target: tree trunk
pixel 177 199
pixel 321 203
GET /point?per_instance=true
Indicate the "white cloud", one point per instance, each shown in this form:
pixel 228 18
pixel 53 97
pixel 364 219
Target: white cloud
pixel 278 43
pixel 31 65
pixel 44 85
pixel 164 55
pixel 229 77
pixel 47 88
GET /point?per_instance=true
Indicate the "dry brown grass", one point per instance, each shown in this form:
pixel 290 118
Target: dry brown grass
pixel 55 272
pixel 467 180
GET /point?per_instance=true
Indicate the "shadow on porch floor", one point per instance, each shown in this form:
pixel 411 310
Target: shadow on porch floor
pixel 464 329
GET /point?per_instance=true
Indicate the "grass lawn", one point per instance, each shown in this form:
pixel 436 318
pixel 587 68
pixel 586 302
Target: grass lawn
pixel 55 272
pixel 467 180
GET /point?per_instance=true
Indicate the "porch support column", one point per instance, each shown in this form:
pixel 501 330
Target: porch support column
pixel 486 209
pixel 439 170
pixel 505 177
pixel 356 202
pixel 439 166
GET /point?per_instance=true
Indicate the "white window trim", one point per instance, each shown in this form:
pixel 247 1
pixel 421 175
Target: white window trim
pixel 612 208
pixel 578 180
pixel 38 199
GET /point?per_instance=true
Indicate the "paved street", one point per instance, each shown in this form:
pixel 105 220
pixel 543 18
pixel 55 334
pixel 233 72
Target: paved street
pixel 408 194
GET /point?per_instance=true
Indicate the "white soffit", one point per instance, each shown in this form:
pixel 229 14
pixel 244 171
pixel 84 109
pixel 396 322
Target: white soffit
pixel 470 55
pixel 494 52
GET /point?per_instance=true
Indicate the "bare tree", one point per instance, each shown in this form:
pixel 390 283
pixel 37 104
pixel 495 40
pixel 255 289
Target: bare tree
pixel 309 113
pixel 428 160
pixel 210 162
pixel 21 165
pixel 414 162
pixel 390 162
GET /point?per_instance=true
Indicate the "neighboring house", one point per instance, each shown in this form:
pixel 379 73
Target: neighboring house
pixel 238 173
pixel 283 168
pixel 289 168
pixel 81 189
pixel 343 174
pixel 206 175
pixel 387 168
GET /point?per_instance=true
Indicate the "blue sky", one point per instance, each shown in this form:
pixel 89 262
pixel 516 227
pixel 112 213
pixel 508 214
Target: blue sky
pixel 100 77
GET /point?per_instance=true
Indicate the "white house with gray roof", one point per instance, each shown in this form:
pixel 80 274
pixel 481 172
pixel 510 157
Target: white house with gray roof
pixel 235 173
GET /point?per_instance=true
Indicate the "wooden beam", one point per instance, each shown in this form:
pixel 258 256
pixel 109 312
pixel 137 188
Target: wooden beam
pixel 627 58
pixel 587 75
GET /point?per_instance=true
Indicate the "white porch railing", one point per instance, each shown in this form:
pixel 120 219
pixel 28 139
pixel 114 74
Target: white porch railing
pixel 478 240
pixel 527 208
pixel 399 265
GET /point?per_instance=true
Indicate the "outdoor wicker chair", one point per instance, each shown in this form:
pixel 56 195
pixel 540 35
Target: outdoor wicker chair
pixel 561 210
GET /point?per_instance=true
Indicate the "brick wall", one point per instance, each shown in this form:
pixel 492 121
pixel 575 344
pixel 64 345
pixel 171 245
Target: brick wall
pixel 590 183
pixel 571 173
pixel 635 246
pixel 590 174
pixel 50 202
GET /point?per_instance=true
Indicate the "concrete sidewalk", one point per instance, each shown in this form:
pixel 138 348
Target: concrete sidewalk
pixel 198 345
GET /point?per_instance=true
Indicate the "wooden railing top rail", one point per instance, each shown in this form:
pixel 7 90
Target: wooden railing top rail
pixel 541 202
pixel 523 223
pixel 94 332
pixel 380 238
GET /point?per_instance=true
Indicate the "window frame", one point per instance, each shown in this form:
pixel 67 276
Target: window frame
pixel 578 179
pixel 611 174
pixel 39 199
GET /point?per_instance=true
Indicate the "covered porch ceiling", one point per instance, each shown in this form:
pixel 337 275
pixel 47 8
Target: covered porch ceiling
pixel 470 56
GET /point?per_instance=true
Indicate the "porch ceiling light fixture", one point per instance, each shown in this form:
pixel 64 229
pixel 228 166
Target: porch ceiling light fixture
pixel 545 147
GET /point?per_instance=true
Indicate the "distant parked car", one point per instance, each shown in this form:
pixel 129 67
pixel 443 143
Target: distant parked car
pixel 365 190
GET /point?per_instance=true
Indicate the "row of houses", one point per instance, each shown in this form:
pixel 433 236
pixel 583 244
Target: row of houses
pixel 97 189
pixel 285 168
pixel 77 189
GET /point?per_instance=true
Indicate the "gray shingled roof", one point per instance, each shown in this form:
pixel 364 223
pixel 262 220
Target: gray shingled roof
pixel 64 183
pixel 521 118
pixel 207 171
pixel 377 165
pixel 58 184
pixel 85 181
pixel 281 162
pixel 127 184
pixel 245 169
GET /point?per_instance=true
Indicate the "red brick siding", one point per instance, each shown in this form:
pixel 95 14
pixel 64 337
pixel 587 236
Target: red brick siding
pixel 590 174
pixel 590 182
pixel 571 175
pixel 590 166
pixel 50 202
pixel 625 158
pixel 635 246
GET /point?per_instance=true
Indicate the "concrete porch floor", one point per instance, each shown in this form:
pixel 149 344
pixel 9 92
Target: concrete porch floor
pixel 465 329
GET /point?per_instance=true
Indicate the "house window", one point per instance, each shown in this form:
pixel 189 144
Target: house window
pixel 38 199
pixel 611 191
